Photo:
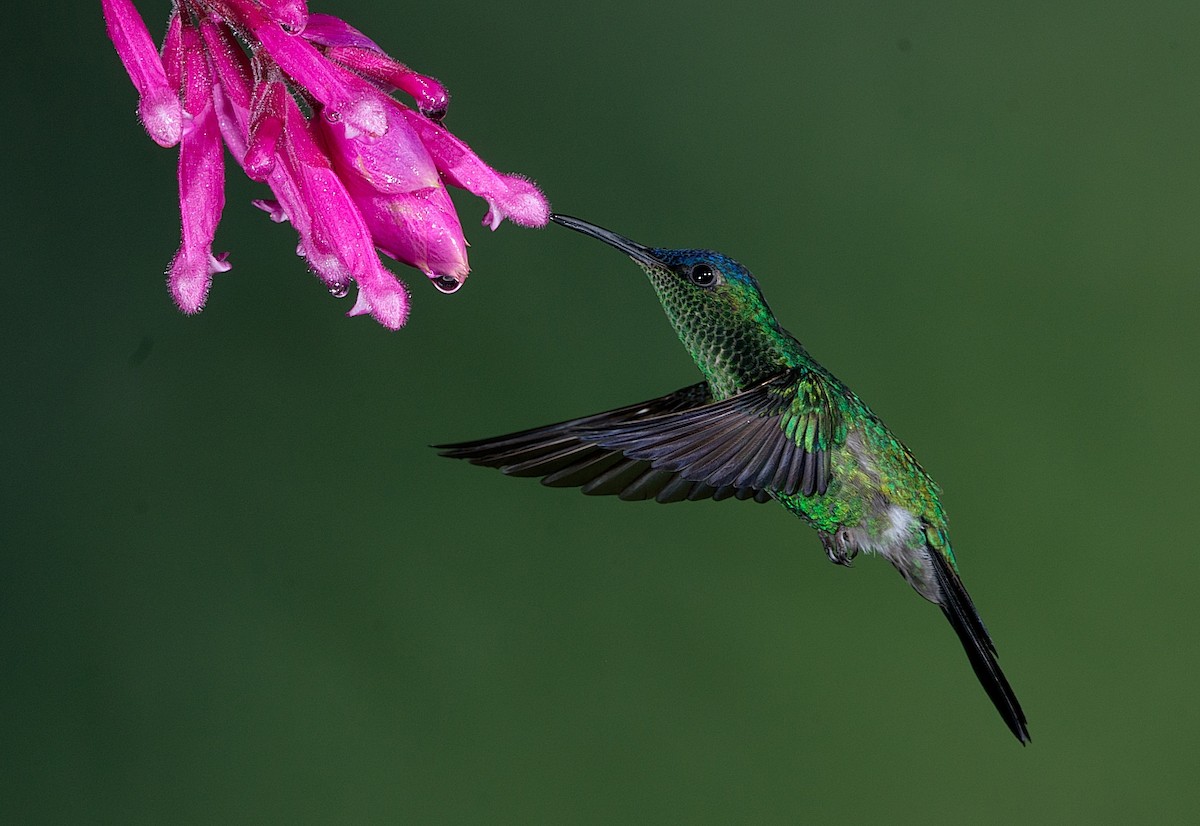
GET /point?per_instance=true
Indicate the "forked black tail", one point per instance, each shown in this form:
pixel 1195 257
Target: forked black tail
pixel 958 608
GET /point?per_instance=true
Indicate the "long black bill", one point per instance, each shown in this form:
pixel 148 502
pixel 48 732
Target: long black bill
pixel 640 254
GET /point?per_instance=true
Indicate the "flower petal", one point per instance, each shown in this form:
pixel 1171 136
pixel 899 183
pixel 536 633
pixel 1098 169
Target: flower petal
pixel 508 196
pixel 347 98
pixel 201 182
pixel 292 15
pixel 396 187
pixel 267 108
pixel 231 86
pixel 419 228
pixel 333 235
pixel 396 162
pixel 327 30
pixel 348 46
pixel 171 53
pixel 272 207
pixel 385 298
pixel 158 104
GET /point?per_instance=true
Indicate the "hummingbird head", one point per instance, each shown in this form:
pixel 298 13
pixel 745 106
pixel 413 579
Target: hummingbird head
pixel 713 302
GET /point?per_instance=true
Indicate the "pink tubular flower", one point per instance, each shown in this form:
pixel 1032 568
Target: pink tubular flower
pixel 201 180
pixel 158 103
pixel 302 101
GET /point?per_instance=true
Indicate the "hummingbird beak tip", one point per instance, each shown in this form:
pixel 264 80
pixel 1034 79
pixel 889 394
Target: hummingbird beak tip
pixel 640 254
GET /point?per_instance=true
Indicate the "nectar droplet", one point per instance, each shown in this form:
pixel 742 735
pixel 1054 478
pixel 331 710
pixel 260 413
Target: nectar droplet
pixel 339 290
pixel 447 284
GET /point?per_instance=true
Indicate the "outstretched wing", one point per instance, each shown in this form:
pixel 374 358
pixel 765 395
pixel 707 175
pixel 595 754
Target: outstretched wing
pixel 774 437
pixel 564 457
pixel 777 436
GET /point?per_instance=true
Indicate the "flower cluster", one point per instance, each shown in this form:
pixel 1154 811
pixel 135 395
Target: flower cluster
pixel 303 103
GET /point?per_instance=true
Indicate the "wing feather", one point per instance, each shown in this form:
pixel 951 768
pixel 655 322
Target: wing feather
pixel 773 438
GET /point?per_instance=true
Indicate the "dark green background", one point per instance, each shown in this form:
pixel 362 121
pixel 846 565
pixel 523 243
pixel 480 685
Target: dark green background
pixel 238 587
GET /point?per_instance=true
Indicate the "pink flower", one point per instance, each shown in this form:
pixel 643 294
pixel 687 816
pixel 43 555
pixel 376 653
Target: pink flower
pixel 354 171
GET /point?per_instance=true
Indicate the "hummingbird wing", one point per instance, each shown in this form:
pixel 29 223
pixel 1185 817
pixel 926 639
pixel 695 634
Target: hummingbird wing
pixel 776 436
pixel 773 437
pixel 565 457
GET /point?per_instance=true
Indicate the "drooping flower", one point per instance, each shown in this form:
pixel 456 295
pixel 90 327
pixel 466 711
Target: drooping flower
pixel 303 103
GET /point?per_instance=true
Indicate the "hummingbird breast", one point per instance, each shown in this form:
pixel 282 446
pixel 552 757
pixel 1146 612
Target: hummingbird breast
pixel 732 350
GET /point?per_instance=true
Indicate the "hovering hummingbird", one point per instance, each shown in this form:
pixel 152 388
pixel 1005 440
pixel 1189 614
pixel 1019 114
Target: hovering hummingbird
pixel 767 423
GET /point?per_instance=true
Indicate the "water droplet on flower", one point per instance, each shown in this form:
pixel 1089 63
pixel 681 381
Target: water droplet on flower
pixel 447 284
pixel 339 290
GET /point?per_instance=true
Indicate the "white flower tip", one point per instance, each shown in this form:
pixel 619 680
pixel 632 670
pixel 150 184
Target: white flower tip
pixel 189 288
pixel 526 205
pixel 162 116
pixel 388 306
pixel 190 277
pixel 522 204
pixel 391 310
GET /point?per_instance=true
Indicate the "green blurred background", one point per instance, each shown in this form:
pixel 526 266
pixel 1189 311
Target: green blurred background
pixel 237 585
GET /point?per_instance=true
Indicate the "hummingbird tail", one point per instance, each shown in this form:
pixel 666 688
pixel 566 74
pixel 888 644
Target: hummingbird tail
pixel 957 606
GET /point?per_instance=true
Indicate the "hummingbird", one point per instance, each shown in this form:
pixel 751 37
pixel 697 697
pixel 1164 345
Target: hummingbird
pixel 767 423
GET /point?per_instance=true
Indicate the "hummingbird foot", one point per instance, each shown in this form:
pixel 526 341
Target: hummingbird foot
pixel 838 548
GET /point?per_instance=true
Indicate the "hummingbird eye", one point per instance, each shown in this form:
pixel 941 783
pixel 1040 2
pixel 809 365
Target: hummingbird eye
pixel 702 275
